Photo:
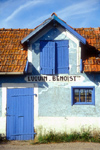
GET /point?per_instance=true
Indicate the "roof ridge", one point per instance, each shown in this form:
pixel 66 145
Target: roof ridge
pixel 53 14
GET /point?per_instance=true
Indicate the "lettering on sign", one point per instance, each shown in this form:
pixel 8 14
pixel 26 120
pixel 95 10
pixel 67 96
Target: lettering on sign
pixel 45 78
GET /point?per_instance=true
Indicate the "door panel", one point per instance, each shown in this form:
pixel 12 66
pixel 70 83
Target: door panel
pixel 20 119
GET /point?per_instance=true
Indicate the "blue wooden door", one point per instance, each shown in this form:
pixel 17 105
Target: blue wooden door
pixel 20 109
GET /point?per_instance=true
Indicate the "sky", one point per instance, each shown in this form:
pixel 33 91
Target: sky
pixel 31 13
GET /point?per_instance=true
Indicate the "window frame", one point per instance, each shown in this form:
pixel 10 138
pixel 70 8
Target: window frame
pixel 82 103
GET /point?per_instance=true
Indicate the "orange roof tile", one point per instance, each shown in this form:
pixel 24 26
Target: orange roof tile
pixel 92 36
pixel 13 55
pixel 92 61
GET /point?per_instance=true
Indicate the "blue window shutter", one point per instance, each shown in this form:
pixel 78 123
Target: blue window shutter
pixel 62 58
pixel 47 57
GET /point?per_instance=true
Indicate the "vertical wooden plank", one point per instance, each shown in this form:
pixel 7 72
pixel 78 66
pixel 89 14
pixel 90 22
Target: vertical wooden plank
pixel 21 125
pixel 9 118
pixel 47 57
pixel 62 58
pixel 13 118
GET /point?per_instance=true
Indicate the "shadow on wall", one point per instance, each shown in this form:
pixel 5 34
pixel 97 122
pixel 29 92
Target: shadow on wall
pixel 23 78
pixel 89 51
pixel 94 77
pixel 32 70
pixel 34 75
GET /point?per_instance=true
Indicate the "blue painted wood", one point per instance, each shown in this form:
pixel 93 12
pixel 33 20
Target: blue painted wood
pixel 54 57
pixel 47 57
pixel 20 108
pixel 26 67
pixel 83 103
pixel 62 57
pixel 81 66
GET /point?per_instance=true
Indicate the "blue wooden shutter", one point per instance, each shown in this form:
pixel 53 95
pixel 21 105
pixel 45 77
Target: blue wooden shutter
pixel 47 57
pixel 62 57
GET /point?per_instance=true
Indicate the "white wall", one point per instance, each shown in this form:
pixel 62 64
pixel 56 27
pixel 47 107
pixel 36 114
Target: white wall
pixel 67 124
pixel 45 124
pixel 3 117
pixel 63 124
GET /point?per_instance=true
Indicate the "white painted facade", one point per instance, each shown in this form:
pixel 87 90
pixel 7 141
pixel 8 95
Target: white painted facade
pixel 47 124
pixel 65 124
pixel 3 117
pixel 57 124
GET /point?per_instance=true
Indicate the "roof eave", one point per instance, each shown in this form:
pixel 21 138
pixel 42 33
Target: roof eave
pixel 54 17
pixel 11 73
pixel 36 30
pixel 82 39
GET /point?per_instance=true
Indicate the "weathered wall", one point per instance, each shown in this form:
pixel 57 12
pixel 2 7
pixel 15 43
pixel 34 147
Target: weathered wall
pixel 55 111
pixel 56 101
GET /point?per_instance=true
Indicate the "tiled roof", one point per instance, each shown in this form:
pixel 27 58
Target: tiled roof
pixel 13 55
pixel 91 62
pixel 92 36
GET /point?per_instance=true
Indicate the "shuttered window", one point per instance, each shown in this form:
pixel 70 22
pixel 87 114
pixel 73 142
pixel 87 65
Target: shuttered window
pixel 54 57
